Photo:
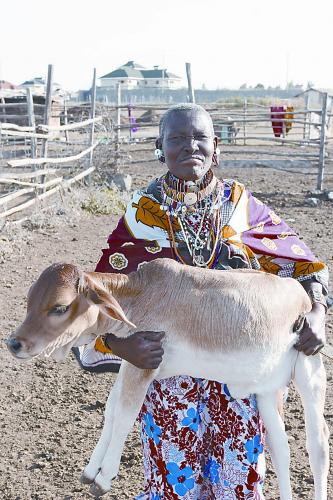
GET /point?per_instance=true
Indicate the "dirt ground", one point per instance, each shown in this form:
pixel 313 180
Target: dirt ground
pixel 51 414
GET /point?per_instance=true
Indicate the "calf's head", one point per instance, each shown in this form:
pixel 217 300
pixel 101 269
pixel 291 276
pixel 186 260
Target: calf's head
pixel 65 307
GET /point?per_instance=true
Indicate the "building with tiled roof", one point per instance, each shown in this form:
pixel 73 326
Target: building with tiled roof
pixel 132 75
pixel 4 85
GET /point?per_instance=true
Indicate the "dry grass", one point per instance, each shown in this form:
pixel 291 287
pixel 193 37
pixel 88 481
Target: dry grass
pixel 67 210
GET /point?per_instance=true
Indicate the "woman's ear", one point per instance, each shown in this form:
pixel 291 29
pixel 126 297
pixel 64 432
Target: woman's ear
pixel 216 154
pixel 158 151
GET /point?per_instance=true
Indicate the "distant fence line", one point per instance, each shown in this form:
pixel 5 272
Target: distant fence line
pixel 246 125
pixel 174 96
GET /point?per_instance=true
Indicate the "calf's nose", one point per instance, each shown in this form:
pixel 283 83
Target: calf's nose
pixel 14 345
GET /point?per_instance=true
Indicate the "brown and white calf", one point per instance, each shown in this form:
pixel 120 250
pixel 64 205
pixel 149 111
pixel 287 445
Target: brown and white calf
pixel 233 326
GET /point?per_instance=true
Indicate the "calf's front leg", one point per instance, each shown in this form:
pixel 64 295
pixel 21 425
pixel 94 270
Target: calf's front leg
pixel 122 408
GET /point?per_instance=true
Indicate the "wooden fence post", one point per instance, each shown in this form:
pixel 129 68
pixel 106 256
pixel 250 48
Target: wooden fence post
pixel 118 126
pixel 47 109
pixel 191 97
pixel 321 165
pixel 306 117
pixel 92 116
pixel 244 123
pixel 66 119
pixel 32 123
pixel 4 120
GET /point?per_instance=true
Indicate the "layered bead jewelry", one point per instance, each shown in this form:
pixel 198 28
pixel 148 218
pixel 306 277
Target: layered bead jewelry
pixel 197 209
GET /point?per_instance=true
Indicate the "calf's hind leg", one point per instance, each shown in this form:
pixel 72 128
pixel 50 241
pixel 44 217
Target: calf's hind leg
pixel 122 409
pixel 277 441
pixel 310 381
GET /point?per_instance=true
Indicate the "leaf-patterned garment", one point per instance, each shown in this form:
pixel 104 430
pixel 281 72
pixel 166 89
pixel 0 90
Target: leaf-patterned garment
pixel 198 442
pixel 151 214
pixel 252 236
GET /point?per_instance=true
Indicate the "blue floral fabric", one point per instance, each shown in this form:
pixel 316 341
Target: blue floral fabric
pixel 200 443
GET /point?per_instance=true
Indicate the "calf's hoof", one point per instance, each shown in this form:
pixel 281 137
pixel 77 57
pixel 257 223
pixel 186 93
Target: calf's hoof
pixel 97 491
pixel 85 479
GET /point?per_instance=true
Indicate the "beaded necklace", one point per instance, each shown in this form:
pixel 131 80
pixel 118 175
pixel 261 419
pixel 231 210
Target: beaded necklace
pixel 200 222
pixel 177 191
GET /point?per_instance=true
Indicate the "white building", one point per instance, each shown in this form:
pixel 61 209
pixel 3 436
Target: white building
pixel 131 76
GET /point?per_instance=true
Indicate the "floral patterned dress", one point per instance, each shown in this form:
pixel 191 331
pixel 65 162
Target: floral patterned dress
pixel 200 443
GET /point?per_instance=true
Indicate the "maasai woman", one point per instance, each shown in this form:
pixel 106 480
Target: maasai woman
pixel 199 442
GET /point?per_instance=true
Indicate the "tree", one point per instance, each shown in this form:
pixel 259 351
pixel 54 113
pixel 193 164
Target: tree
pixel 290 85
pixel 259 86
pixel 243 86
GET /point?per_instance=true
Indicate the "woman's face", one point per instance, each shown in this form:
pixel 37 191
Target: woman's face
pixel 188 144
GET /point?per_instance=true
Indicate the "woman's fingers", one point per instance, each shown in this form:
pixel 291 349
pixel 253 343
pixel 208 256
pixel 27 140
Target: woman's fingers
pixel 157 336
pixel 157 351
pixel 155 362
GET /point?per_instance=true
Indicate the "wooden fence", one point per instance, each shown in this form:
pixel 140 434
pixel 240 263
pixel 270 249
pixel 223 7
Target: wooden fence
pixel 28 180
pixel 242 130
pixel 127 132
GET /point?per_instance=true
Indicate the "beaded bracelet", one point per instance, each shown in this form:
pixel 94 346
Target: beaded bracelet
pixel 101 345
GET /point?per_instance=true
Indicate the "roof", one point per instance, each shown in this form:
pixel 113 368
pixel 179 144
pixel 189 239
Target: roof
pixel 133 70
pixel 132 64
pixel 158 73
pixel 34 81
pixel 123 72
pixel 319 90
pixel 7 85
pixel 21 93
pixel 128 70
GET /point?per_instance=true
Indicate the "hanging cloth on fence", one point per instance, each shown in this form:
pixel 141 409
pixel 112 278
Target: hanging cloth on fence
pixel 132 120
pixel 289 116
pixel 277 116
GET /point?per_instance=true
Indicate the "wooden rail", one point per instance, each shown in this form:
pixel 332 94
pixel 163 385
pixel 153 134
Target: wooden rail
pixel 16 194
pixel 44 195
pixel 34 184
pixel 53 161
pixel 70 126
pixel 23 135
pixel 28 175
pixel 13 126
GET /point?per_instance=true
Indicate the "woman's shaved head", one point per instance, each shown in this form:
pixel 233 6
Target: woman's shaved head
pixel 181 108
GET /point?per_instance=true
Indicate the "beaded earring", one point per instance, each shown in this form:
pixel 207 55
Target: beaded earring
pixel 215 157
pixel 159 155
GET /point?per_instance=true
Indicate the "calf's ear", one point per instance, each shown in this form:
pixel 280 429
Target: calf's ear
pixel 97 294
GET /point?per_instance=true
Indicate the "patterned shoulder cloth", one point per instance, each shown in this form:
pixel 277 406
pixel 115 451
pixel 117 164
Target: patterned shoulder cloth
pixel 269 243
pixel 140 236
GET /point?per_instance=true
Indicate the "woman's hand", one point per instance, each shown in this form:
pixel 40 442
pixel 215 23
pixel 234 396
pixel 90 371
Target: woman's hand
pixel 312 336
pixel 142 349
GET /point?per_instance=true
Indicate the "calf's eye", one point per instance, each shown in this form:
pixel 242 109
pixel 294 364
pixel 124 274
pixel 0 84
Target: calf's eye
pixel 58 310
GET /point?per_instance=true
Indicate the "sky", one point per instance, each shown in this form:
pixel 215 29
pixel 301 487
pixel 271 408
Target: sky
pixel 227 42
